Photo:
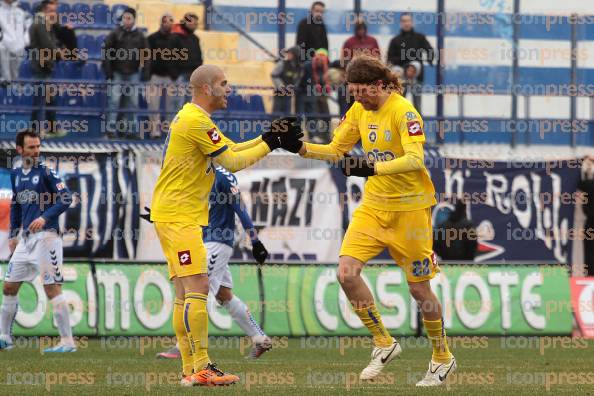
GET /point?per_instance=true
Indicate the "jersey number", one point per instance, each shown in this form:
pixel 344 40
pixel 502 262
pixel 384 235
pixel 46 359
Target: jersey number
pixel 421 268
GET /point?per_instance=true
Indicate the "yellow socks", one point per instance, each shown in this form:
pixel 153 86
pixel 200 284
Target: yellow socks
pixel 373 321
pixel 182 337
pixel 196 325
pixel 436 333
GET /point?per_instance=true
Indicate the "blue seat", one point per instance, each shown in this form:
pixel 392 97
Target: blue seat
pixel 25 6
pixel 99 40
pixel 101 15
pixel 25 69
pixel 81 8
pixel 116 12
pixel 64 8
pixel 71 70
pixel 255 103
pixel 89 43
pixel 90 71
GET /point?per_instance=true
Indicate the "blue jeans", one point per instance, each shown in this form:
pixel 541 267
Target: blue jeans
pixel 123 95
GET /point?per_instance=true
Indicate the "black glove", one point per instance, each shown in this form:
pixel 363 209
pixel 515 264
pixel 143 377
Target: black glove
pixel 272 140
pixel 259 252
pixel 284 132
pixel 356 166
pixel 146 216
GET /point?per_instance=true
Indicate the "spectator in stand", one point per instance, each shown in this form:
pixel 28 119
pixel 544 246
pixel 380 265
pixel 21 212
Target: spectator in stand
pixel 311 32
pixel 410 46
pixel 285 77
pixel 124 73
pixel 312 96
pixel 14 38
pixel 456 238
pixel 44 52
pixel 586 186
pixel 191 57
pixel 165 47
pixel 359 43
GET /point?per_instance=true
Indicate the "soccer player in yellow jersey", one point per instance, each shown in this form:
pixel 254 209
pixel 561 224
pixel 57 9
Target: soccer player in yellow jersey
pixel 396 208
pixel 179 209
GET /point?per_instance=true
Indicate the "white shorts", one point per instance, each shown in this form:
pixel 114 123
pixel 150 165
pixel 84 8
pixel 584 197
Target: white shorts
pixel 36 253
pixel 218 255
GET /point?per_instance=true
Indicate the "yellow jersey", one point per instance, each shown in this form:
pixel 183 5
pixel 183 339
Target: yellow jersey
pixel 383 134
pixel 183 187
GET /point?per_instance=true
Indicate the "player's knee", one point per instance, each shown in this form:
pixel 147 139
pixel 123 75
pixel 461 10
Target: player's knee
pixel 10 288
pixel 419 290
pixel 349 270
pixel 52 291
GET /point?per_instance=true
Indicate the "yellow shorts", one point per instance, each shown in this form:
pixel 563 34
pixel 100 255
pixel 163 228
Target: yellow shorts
pixel 183 248
pixel 408 237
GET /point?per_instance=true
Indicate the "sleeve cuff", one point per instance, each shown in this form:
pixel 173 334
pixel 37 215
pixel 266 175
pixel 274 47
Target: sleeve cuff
pixel 218 152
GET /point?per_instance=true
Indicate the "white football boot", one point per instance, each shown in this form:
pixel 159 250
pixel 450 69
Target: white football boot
pixel 438 372
pixel 380 357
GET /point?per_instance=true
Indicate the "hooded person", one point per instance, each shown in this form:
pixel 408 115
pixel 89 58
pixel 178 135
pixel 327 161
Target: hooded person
pixel 285 77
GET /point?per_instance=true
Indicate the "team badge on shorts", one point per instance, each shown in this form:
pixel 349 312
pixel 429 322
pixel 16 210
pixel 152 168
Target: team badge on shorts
pixel 184 257
pixel 414 128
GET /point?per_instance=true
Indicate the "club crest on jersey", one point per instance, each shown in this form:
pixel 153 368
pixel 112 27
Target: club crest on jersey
pixel 214 135
pixel 410 115
pixel 184 257
pixel 35 179
pixel 372 136
pixel 388 135
pixel 414 128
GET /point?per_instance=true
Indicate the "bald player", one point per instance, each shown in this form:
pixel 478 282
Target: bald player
pixel 179 208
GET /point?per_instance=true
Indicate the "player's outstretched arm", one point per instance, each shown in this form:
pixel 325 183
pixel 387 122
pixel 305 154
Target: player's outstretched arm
pixel 346 135
pixel 237 160
pixel 243 145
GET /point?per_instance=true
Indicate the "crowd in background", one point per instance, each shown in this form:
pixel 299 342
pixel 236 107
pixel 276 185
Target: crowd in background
pixel 304 79
pixel 45 42
pixel 307 70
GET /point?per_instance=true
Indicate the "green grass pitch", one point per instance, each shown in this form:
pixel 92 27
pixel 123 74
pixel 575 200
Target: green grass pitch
pixel 302 366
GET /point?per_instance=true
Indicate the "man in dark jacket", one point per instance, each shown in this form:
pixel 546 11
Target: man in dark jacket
pixel 166 49
pixel 44 52
pixel 410 46
pixel 311 32
pixel 126 61
pixel 192 54
pixel 456 238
